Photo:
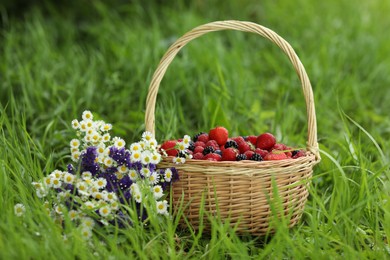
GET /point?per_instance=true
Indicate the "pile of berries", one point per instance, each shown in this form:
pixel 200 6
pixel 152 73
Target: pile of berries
pixel 216 145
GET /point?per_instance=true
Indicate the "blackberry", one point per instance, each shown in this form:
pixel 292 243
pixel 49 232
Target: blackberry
pixel 191 147
pixel 181 154
pixel 294 152
pixel 208 149
pixel 196 136
pixel 241 157
pixel 256 157
pixel 231 143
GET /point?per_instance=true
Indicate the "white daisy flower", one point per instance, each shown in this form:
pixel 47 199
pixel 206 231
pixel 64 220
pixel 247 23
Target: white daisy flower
pixel 101 148
pixel 57 174
pixel 108 161
pixel 168 175
pixel 19 209
pixel 41 192
pixel 111 197
pixel 135 147
pixel 56 183
pixel 83 126
pixel 48 181
pixel 154 178
pixel 147 136
pixel 63 195
pixel 136 156
pixel 89 205
pixel 75 124
pixel 186 140
pixel 179 160
pixel 106 137
pixel 105 211
pixel 95 137
pixel 114 205
pixel 75 156
pixel 68 178
pixel 106 127
pixel 146 157
pixel 157 192
pixel 133 174
pixel 37 185
pixel 74 143
pixel 137 196
pixel 100 183
pixel 162 207
pixel 181 146
pixel 87 115
pixel 82 188
pixel 153 143
pixel 87 175
pixel 123 169
pixel 145 172
pixel 86 233
pixel 98 195
pixel 87 222
pixel 59 209
pixel 119 142
pixel 156 158
pixel 73 214
pixel 134 188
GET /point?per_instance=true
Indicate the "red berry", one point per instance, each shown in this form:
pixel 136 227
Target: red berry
pixel 252 139
pixel 262 152
pixel 213 144
pixel 275 156
pixel 219 134
pixel 200 143
pixel 298 154
pixel 198 156
pixel 249 154
pixel 229 154
pixel 203 138
pixel 238 139
pixel 198 149
pixel 243 147
pixel 265 141
pixel 212 157
pixel 169 147
pixel 279 147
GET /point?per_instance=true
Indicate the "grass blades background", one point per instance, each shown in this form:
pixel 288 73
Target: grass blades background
pixel 58 59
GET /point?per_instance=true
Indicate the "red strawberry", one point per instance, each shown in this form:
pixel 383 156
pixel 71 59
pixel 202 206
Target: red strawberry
pixel 252 139
pixel 203 138
pixel 283 147
pixel 198 149
pixel 212 157
pixel 262 152
pixel 198 156
pixel 229 154
pixel 249 154
pixel 213 144
pixel 238 139
pixel 275 156
pixel 243 147
pixel 298 154
pixel 219 134
pixel 200 143
pixel 169 147
pixel 265 141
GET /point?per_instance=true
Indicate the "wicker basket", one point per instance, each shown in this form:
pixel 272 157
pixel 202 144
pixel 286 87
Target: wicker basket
pixel 246 193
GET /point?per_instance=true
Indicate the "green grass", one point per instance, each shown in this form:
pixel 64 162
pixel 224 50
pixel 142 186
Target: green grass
pixel 57 61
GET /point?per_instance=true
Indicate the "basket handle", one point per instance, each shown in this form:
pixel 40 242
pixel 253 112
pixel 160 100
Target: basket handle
pixel 166 60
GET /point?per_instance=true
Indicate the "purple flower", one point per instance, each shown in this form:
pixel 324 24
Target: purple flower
pixel 121 156
pixel 88 162
pixel 70 168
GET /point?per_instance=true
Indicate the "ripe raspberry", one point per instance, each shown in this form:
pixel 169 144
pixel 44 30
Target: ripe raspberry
pixel 213 144
pixel 195 138
pixel 252 139
pixel 298 153
pixel 284 148
pixel 262 152
pixel 219 134
pixel 203 138
pixel 229 154
pixel 275 156
pixel 198 156
pixel 238 139
pixel 249 154
pixel 212 157
pixel 198 149
pixel 200 143
pixel 169 147
pixel 265 141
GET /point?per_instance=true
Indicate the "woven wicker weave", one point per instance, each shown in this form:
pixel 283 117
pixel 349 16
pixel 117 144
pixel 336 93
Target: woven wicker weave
pixel 244 192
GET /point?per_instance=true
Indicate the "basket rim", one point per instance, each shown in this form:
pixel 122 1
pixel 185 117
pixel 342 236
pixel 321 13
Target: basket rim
pixel 312 144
